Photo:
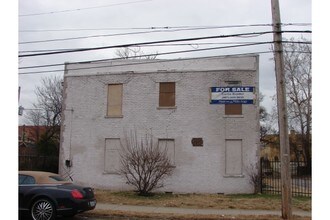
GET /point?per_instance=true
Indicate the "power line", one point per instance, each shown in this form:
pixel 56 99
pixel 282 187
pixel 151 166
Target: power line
pixel 252 34
pixel 128 64
pixel 81 9
pixel 166 53
pixel 139 56
pixel 160 28
pixel 145 28
pixel 194 45
pixel 155 54
pixel 144 43
pixel 136 63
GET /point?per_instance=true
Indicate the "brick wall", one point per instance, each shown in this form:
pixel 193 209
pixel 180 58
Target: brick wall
pixel 198 169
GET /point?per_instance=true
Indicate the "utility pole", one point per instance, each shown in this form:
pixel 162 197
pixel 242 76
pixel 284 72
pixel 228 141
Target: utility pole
pixel 282 113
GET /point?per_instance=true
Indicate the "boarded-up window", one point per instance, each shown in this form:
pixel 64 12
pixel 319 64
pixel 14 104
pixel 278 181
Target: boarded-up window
pixel 233 157
pixel 233 109
pixel 112 155
pixel 115 96
pixel 169 146
pixel 167 94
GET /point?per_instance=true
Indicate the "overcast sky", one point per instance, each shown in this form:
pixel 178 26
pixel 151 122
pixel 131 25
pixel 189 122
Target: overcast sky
pixel 41 20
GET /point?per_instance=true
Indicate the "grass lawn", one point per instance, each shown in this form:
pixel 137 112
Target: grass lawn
pixel 210 201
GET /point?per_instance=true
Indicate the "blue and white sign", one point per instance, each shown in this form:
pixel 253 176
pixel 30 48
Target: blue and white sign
pixel 232 95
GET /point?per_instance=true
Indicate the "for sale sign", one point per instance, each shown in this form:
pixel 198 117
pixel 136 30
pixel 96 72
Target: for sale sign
pixel 232 95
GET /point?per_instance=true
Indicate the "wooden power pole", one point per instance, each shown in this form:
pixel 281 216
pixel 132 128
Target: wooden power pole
pixel 282 113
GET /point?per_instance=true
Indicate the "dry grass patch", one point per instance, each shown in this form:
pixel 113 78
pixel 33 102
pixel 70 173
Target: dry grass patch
pixel 213 201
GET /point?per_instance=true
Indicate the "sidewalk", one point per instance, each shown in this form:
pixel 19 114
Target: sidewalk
pixel 170 210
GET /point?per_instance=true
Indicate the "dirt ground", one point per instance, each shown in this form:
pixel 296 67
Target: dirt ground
pixel 150 216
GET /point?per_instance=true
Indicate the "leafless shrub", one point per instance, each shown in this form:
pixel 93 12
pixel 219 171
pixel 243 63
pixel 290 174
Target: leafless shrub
pixel 144 164
pixel 254 178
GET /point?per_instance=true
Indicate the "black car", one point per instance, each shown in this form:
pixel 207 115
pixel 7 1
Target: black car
pixel 44 196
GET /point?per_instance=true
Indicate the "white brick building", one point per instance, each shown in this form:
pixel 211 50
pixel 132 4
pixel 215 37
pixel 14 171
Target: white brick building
pixel 172 99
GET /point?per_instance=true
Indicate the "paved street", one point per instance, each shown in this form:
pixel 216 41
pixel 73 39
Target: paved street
pixel 82 217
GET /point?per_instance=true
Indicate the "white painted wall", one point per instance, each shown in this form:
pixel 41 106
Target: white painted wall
pixel 86 128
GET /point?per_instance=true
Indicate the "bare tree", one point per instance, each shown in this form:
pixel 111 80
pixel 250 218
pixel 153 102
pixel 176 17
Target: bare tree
pixel 298 69
pixel 266 124
pixel 134 53
pixel 47 112
pixel 144 164
pixel 298 72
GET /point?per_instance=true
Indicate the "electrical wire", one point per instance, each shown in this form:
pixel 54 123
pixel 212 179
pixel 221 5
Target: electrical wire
pixel 138 56
pixel 140 63
pixel 81 9
pixel 155 42
pixel 168 28
pixel 162 28
pixel 133 63
pixel 194 45
pixel 155 54
pixel 143 43
pixel 126 34
pixel 151 45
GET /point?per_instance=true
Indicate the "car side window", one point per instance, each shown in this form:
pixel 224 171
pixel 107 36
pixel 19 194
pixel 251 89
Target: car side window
pixel 56 178
pixel 25 179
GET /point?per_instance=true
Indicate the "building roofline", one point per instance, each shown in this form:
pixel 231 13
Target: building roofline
pixel 161 60
pixel 196 64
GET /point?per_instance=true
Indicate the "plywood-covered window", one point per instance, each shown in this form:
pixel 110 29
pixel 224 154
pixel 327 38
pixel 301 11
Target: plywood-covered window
pixel 233 109
pixel 169 146
pixel 115 100
pixel 112 155
pixel 167 94
pixel 233 157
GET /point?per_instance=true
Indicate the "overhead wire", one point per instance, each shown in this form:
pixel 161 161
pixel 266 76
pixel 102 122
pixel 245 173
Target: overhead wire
pixel 153 30
pixel 194 45
pixel 155 54
pixel 147 28
pixel 161 27
pixel 147 62
pixel 81 9
pixel 131 33
pixel 146 55
pixel 133 63
pixel 150 45
pixel 251 34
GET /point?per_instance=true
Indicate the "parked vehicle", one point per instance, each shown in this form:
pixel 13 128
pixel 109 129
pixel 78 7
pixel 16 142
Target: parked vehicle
pixel 44 196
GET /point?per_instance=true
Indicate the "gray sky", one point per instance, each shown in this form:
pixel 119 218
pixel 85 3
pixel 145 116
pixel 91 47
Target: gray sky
pixel 41 20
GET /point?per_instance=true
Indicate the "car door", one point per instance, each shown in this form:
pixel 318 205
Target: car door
pixel 25 183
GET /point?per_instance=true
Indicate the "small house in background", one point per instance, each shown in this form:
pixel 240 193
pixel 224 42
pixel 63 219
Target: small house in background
pixel 271 148
pixel 28 136
pixel 205 111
